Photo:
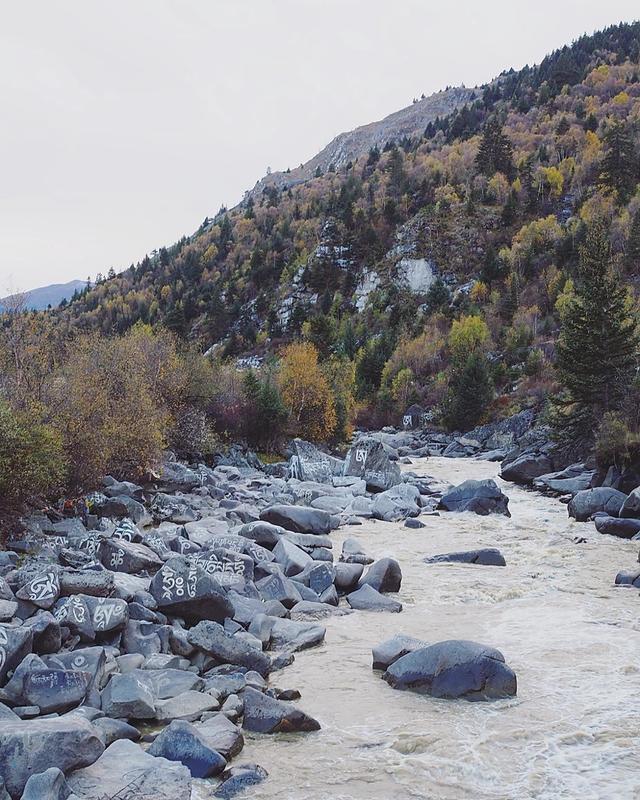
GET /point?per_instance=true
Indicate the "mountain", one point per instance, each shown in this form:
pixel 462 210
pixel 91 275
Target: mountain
pixel 381 248
pixel 348 147
pixel 45 296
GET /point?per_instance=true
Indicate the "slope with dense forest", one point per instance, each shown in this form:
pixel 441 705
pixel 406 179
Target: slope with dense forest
pixel 436 268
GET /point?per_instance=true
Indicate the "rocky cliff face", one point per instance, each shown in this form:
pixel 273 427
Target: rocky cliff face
pixel 349 146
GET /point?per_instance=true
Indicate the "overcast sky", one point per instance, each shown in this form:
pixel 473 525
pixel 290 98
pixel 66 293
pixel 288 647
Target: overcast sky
pixel 125 123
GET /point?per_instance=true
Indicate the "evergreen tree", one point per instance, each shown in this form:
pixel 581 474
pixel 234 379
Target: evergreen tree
pixel 619 168
pixel 470 392
pixel 597 348
pixel 633 243
pixel 495 153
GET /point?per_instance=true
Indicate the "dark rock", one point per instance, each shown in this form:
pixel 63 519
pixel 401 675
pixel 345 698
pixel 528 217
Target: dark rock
pixel 631 505
pixel 310 464
pixel 625 528
pixel 73 613
pixel 188 706
pixel 291 558
pixel 212 639
pixel 264 714
pixel 114 729
pixel 226 566
pixel 187 591
pixel 222 735
pixel 525 467
pixel 397 503
pixel 454 668
pixel 587 502
pixel 488 556
pixel 292 636
pixel 15 644
pixel 238 779
pixel 383 575
pixel 570 480
pixel 482 497
pixel 301 519
pixel 182 741
pixel 42 591
pixel 122 556
pixel 129 696
pixel 277 587
pixel 414 523
pixel 347 576
pixel 29 747
pixel 366 598
pixel 55 690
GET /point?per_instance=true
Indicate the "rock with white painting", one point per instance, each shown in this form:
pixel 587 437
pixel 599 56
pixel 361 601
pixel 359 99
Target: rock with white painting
pixel 42 591
pixel 186 590
pixel 73 613
pixel 122 556
pixel 15 644
pixel 227 566
pixel 86 659
pixel 108 614
pixel 368 459
pixel 54 690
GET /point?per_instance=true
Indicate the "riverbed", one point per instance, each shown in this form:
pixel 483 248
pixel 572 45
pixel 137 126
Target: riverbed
pixel 571 636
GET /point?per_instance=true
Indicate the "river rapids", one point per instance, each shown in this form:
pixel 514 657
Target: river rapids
pixel 571 636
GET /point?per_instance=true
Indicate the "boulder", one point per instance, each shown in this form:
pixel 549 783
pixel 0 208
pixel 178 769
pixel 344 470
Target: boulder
pixel 211 638
pixel 383 575
pixel 119 555
pixel 488 556
pixel 29 747
pixel 300 519
pixel 188 706
pixel 113 729
pixel 368 459
pixel 587 502
pixel 623 528
pixel 291 635
pixel 347 576
pixel 189 592
pixel 525 467
pixel 397 503
pixel 454 668
pixel 482 497
pixel 129 696
pixel 237 780
pixel 279 588
pixel 291 558
pixel 15 644
pixel 307 463
pixel 366 598
pixel 392 649
pixel 54 690
pixel 182 741
pixel 631 506
pixel 264 714
pixel 42 591
pixel 222 735
pixel 125 768
pixel 570 480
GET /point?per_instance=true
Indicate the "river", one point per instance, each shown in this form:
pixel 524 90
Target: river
pixel 573 731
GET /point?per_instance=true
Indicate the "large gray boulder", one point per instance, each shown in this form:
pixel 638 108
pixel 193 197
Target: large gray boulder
pixel 129 696
pixel 182 741
pixel 397 503
pixel 187 591
pixel 291 635
pixel 300 519
pixel 368 459
pixel 631 505
pixel 482 497
pixel 291 558
pixel 125 767
pixel 454 668
pixel 488 556
pixel 392 649
pixel 47 785
pixel 307 463
pixel 366 598
pixel 264 714
pixel 383 575
pixel 15 644
pixel 222 735
pixel 119 555
pixel 586 503
pixel 570 480
pixel 623 528
pixel 212 638
pixel 28 747
pixel 525 467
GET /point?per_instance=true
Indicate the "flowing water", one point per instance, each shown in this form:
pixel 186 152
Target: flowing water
pixel 573 731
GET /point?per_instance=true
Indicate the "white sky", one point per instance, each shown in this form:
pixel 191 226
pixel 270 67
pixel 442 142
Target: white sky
pixel 124 123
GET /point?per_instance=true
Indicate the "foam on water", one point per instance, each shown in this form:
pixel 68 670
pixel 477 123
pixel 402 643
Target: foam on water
pixel 570 635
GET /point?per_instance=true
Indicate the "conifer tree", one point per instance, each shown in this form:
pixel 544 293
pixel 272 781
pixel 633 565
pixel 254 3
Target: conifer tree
pixel 619 167
pixel 597 349
pixel 470 391
pixel 633 243
pixel 495 153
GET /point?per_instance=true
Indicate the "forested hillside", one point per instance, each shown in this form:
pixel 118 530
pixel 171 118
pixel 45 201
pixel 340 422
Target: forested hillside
pixel 435 269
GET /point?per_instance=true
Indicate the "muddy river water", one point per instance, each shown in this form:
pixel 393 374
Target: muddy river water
pixel 573 639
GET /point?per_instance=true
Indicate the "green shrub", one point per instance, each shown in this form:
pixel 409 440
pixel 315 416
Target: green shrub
pixel 612 441
pixel 32 460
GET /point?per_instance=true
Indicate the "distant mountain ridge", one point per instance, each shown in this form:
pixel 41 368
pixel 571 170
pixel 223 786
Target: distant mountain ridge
pixel 350 145
pixel 45 296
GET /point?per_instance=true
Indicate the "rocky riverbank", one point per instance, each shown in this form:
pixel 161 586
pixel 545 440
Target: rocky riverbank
pixel 143 639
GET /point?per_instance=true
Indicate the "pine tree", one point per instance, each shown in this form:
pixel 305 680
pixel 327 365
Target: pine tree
pixel 633 243
pixel 597 348
pixel 495 153
pixel 619 168
pixel 470 392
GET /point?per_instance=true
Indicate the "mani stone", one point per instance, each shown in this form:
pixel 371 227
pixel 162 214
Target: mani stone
pixel 187 591
pixel 367 459
pixel 55 690
pixel 122 556
pixel 227 566
pixel 42 591
pixel 310 464
pixel 15 644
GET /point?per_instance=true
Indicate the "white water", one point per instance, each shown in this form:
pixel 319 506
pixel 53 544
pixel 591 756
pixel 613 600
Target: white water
pixel 573 731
